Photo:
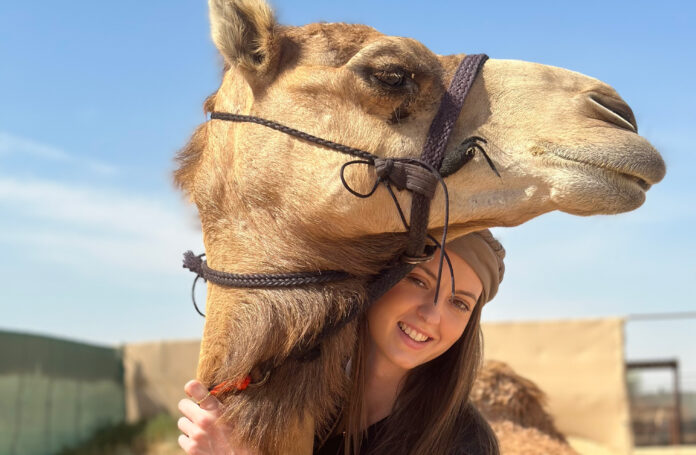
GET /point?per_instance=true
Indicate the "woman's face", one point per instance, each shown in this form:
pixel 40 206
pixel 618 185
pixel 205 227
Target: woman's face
pixel 405 327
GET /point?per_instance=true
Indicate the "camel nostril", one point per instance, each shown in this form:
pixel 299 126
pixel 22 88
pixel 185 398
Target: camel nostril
pixel 614 111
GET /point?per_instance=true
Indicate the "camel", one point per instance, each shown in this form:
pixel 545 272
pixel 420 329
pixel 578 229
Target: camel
pixel 269 202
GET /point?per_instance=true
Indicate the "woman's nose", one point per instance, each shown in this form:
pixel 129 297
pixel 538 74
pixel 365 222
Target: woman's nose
pixel 429 312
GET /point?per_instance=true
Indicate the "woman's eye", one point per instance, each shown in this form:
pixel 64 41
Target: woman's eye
pixel 461 304
pixel 390 78
pixel 418 282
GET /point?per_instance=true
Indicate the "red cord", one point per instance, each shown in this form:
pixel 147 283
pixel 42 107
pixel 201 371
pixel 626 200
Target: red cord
pixel 227 386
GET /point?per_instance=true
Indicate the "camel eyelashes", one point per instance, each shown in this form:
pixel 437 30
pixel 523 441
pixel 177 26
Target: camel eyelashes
pixel 390 78
pixel 399 114
pixel 474 145
pixel 456 159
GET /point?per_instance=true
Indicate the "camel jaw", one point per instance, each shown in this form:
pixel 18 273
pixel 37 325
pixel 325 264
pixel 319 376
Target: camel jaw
pixel 593 170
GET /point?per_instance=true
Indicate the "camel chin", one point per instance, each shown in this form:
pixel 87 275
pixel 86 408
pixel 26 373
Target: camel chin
pixel 577 194
pixel 576 182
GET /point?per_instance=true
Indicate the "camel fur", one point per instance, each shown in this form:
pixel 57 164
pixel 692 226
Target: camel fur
pixel 272 203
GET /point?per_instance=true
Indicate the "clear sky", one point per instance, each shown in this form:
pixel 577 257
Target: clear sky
pixel 96 97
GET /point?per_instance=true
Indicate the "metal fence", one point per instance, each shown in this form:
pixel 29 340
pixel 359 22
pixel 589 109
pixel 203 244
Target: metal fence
pixel 662 381
pixel 55 393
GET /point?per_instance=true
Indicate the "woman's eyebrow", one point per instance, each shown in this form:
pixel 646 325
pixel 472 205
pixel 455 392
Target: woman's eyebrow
pixel 466 293
pixel 458 291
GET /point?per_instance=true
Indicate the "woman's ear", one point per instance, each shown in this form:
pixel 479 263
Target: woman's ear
pixel 245 33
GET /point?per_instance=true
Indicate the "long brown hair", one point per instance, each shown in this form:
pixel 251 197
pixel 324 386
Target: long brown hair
pixel 432 414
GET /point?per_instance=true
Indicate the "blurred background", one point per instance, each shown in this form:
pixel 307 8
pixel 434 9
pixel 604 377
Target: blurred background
pixel 96 98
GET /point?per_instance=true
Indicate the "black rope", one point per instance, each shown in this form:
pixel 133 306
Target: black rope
pixel 443 254
pixel 293 132
pixel 351 190
pixel 199 266
pixel 193 296
pixel 433 156
pixel 404 173
pixel 194 262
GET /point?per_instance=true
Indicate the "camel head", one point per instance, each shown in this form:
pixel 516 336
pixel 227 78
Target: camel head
pixel 560 140
pixel 271 202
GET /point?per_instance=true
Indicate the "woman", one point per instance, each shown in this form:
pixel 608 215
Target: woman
pixel 413 367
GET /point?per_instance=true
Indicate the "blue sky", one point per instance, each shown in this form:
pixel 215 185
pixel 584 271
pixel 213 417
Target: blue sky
pixel 96 98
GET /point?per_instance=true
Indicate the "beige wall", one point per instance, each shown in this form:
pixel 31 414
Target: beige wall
pixel 155 374
pixel 579 364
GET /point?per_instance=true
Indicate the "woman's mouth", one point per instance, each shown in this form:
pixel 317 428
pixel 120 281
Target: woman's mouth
pixel 413 334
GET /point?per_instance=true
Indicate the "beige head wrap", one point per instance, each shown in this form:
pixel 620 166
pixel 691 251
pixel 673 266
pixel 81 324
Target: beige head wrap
pixel 485 255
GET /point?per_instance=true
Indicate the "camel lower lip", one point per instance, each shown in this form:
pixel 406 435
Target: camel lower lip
pixel 645 186
pixel 641 182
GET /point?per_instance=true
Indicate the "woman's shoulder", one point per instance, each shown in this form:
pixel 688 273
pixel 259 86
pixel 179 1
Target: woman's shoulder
pixel 476 437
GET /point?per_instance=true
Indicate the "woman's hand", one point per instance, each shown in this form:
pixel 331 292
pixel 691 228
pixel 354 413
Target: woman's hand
pixel 204 434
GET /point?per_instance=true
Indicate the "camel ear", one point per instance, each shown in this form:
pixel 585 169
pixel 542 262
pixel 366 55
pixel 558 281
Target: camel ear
pixel 244 31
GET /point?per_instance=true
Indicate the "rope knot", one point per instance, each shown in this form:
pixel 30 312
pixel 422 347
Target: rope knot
pixel 193 263
pixel 395 172
pixel 407 175
pixel 384 167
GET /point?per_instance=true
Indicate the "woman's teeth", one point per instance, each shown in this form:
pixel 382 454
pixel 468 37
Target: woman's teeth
pixel 413 334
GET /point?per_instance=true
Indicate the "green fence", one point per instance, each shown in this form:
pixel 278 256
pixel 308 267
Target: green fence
pixel 55 393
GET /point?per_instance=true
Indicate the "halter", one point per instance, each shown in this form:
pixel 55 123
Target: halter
pixel 420 176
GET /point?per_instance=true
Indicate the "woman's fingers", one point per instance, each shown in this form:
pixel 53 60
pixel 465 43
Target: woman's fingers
pixel 189 446
pixel 186 426
pixel 200 432
pixel 202 418
pixel 203 434
pixel 194 387
pixel 200 395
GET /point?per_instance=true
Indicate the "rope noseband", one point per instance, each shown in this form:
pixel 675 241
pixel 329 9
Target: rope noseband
pixel 420 176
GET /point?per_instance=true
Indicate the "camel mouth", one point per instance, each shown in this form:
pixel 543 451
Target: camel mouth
pixel 645 186
pixel 644 182
pixel 639 181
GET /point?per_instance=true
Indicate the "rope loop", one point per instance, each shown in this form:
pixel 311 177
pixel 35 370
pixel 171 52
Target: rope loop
pixel 348 187
pixel 193 295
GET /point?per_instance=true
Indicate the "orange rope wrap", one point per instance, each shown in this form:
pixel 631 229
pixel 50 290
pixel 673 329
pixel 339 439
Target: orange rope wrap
pixel 228 386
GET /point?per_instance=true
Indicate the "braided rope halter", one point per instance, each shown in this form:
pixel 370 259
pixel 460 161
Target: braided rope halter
pixel 420 176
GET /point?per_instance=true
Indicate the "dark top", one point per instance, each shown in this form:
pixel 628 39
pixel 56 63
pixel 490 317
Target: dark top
pixel 475 438
pixel 334 445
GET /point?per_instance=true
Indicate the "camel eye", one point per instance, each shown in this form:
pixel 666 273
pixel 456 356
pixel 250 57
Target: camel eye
pixel 390 78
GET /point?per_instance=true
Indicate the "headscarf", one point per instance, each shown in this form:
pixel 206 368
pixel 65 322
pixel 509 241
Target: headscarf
pixel 485 255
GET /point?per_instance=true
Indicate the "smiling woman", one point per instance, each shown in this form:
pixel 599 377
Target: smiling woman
pixel 411 371
pixel 415 360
